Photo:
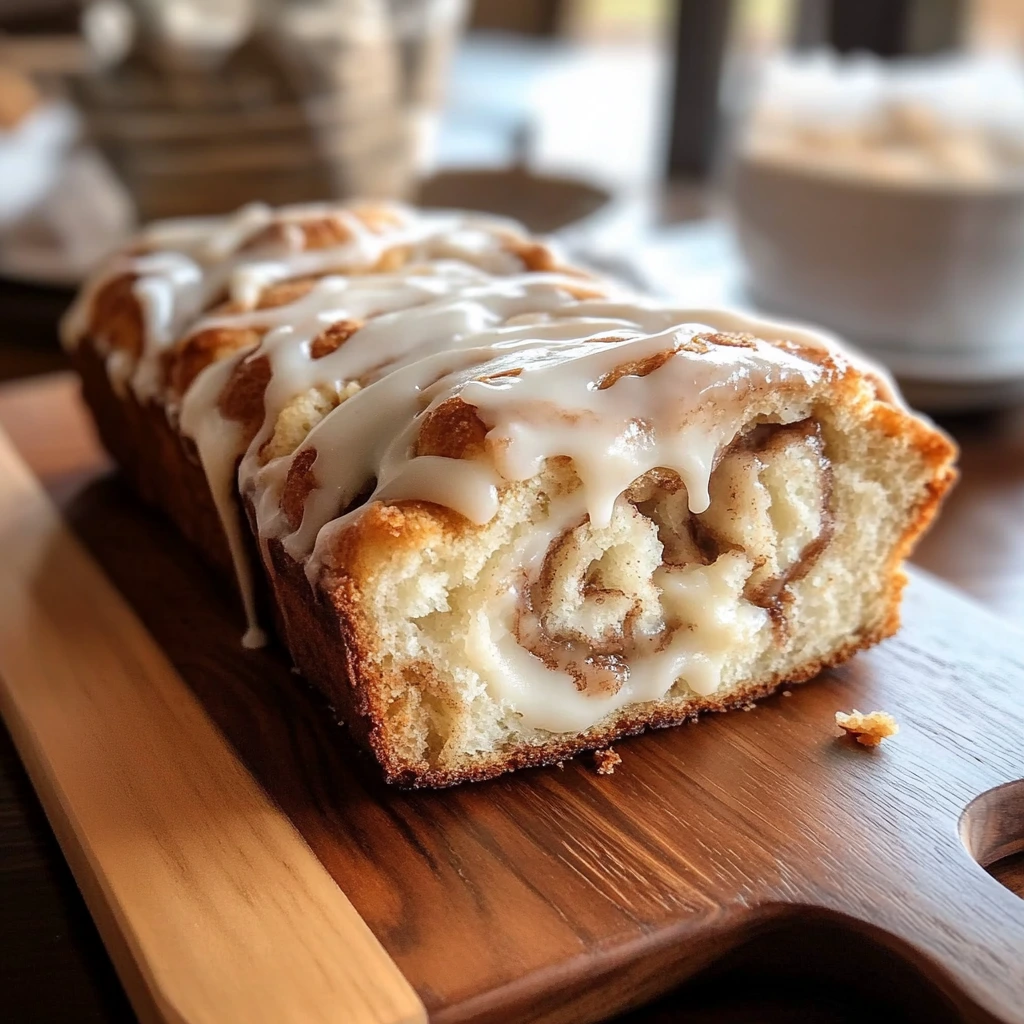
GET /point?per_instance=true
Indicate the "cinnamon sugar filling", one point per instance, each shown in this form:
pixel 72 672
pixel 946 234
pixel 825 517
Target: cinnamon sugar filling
pixel 599 662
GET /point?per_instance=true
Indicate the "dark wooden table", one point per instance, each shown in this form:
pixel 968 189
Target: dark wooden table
pixel 52 964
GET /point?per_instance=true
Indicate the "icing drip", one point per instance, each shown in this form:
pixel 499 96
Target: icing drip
pixel 422 311
pixel 538 385
pixel 218 441
pixel 544 400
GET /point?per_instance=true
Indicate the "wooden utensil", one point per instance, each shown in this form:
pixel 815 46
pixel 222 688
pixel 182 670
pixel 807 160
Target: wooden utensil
pixel 549 895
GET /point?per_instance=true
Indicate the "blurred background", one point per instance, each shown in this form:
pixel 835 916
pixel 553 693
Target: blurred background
pixel 713 151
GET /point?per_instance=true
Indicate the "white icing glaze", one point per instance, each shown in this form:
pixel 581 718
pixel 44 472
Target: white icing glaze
pixel 219 442
pixel 535 383
pixel 462 320
pixel 184 266
pixel 676 417
pixel 421 311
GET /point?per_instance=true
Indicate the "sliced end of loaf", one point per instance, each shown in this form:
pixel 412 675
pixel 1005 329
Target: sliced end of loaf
pixel 794 567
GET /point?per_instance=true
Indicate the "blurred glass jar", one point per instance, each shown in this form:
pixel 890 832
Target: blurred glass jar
pixel 202 105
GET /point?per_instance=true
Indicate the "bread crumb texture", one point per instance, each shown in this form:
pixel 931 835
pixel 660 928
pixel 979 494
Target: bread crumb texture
pixel 867 729
pixel 606 761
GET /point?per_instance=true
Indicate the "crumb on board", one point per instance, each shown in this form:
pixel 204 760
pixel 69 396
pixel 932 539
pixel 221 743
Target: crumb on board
pixel 606 761
pixel 787 693
pixel 867 729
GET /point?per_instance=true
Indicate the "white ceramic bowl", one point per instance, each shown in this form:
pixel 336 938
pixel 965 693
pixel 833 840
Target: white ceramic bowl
pixel 896 267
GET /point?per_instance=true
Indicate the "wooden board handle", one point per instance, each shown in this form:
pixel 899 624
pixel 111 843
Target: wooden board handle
pixel 950 920
pixel 213 906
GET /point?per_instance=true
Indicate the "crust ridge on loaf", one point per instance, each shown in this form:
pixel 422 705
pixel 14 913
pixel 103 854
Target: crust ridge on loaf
pixel 501 511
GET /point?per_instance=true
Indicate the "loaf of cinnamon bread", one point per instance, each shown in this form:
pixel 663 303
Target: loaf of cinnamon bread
pixel 499 510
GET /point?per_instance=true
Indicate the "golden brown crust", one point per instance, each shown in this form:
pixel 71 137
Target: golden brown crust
pixel 453 430
pixel 299 484
pixel 301 235
pixel 116 316
pixel 271 296
pixel 332 337
pixel 160 463
pixel 699 344
pixel 639 367
pixel 241 399
pixel 536 256
pixel 939 452
pixel 195 353
pixel 378 217
pixel 323 231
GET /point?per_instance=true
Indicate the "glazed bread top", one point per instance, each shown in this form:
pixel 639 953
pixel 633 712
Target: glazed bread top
pixel 149 295
pixel 618 387
pixel 326 361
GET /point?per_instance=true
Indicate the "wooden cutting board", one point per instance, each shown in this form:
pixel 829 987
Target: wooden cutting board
pixel 155 741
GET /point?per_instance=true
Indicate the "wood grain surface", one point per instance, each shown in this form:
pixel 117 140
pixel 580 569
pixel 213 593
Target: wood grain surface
pixel 210 902
pixel 562 895
pixel 978 541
